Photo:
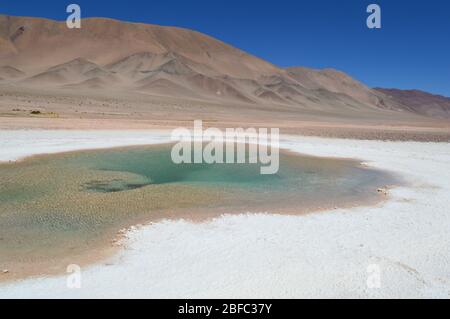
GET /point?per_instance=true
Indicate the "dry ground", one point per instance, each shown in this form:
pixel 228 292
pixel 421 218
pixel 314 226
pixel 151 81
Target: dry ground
pixel 46 109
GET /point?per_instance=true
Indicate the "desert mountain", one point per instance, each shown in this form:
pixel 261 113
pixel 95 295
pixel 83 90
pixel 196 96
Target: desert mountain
pixel 40 43
pixel 420 102
pixel 107 54
pixel 73 71
pixel 334 81
pixel 9 72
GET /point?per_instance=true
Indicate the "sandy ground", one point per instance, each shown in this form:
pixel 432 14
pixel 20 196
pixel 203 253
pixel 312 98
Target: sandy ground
pixel 326 255
pixel 79 110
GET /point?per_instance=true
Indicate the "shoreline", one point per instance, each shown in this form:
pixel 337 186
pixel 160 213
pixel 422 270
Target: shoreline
pixel 311 146
pixel 109 246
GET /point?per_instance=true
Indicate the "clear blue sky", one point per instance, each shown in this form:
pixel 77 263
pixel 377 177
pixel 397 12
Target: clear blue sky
pixel 412 50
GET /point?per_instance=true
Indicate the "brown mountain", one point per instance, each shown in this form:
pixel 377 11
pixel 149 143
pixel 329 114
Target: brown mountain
pixel 35 44
pixel 10 72
pixel 117 56
pixel 420 102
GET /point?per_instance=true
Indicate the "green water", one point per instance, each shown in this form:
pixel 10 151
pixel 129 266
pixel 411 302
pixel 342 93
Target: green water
pixel 52 206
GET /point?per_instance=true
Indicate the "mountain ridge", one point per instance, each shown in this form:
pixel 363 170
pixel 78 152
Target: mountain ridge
pixel 107 54
pixel 419 101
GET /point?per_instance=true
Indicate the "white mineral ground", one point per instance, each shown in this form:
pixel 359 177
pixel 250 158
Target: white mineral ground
pixel 261 255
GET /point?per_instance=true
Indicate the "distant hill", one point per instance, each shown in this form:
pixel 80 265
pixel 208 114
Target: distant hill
pixel 107 54
pixel 420 102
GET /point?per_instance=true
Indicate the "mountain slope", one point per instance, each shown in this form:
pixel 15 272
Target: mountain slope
pixel 420 102
pixel 35 43
pixel 78 70
pixel 340 83
pixel 10 72
pixel 117 56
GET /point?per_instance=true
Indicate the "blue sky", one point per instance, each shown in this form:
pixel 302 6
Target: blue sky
pixel 411 50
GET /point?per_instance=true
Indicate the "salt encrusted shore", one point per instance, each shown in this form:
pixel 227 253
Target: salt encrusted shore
pixel 260 255
pixel 16 145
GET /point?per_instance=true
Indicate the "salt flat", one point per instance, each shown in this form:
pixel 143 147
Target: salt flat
pixel 260 255
pixel 17 144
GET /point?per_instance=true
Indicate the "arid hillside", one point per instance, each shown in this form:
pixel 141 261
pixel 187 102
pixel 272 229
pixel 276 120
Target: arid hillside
pixel 420 102
pixel 110 68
